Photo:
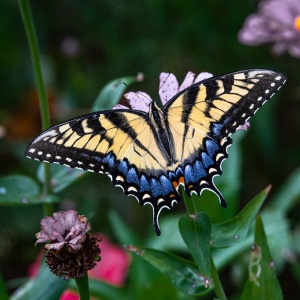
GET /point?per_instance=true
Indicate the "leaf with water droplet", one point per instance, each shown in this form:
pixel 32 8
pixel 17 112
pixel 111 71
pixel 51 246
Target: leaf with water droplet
pixel 262 282
pixel 195 231
pixel 231 232
pixel 22 190
pixel 183 274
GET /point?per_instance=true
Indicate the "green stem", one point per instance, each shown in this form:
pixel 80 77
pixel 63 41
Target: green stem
pixel 189 202
pixel 83 287
pixel 41 90
pixel 218 289
pixel 35 56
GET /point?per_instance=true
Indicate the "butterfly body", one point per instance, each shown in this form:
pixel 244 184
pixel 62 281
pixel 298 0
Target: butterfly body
pixel 150 154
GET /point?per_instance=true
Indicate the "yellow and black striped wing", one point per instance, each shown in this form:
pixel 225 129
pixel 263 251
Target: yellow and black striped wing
pixel 202 118
pixel 119 143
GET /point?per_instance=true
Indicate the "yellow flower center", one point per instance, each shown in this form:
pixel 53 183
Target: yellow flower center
pixel 297 23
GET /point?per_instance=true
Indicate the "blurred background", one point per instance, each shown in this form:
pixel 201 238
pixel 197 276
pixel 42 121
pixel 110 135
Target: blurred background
pixel 83 47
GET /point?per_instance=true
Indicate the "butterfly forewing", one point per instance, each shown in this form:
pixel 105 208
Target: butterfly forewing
pixel 202 118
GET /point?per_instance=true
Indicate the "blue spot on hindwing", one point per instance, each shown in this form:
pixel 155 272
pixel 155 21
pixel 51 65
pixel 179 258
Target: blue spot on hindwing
pixel 97 159
pixel 132 176
pixel 216 128
pixel 179 172
pixel 123 168
pixel 212 147
pixel 199 170
pixel 109 159
pixel 166 185
pixel 144 184
pixel 189 174
pixel 156 188
pixel 206 159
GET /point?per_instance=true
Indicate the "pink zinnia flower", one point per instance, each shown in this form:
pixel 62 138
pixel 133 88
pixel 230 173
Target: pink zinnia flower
pixel 277 22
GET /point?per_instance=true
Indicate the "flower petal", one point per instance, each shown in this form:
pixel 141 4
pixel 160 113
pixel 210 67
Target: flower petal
pixel 202 76
pixel 55 246
pixel 168 87
pixel 187 81
pixel 138 100
pixel 244 127
pixel 42 237
pixel 70 218
pixel 120 106
pixel 294 49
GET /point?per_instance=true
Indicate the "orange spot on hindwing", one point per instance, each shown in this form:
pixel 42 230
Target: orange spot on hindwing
pixel 176 183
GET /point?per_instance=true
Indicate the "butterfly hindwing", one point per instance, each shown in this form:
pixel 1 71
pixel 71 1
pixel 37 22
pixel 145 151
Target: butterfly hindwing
pixel 202 118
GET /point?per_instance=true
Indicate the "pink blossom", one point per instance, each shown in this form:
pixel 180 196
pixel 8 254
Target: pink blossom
pixel 114 264
pixel 276 22
pixel 69 295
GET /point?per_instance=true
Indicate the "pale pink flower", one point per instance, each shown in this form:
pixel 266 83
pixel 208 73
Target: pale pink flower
pixel 277 22
pixel 168 88
pixel 63 229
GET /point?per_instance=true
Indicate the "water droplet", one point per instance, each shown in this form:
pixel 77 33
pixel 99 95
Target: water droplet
pixel 3 190
pixel 197 244
pixel 253 247
pixel 272 264
pixel 206 282
pixel 236 236
pixel 24 200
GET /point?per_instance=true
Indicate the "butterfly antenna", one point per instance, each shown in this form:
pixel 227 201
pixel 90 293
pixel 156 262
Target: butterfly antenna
pixel 163 83
pixel 169 73
pixel 139 93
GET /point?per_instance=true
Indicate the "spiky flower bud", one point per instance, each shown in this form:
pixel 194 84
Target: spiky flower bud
pixel 71 251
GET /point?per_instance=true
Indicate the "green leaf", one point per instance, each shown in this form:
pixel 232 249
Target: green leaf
pixel 289 193
pixel 195 231
pixel 62 176
pixel 111 93
pixel 279 240
pixel 19 190
pixel 124 234
pixel 3 290
pixel 46 286
pixel 183 274
pixel 22 190
pixel 262 282
pixel 279 235
pixel 231 232
pixel 170 239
